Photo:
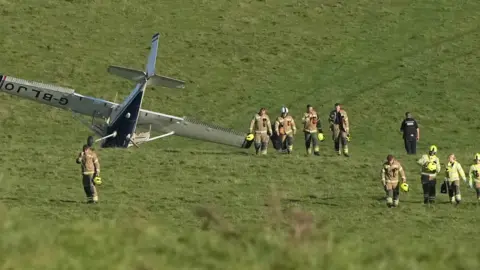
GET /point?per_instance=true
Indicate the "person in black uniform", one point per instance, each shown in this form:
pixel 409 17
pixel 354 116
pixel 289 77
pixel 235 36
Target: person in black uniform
pixel 411 133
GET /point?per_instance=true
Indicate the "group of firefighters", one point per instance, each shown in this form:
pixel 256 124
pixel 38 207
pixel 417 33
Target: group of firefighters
pixel 261 129
pixel 430 168
pixel 282 132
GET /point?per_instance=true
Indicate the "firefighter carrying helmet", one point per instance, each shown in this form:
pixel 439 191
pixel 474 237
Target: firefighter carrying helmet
pixel 431 166
pixel 404 187
pixel 97 180
pixel 321 137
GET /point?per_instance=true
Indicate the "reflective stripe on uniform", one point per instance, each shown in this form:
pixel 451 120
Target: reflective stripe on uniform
pixel 429 174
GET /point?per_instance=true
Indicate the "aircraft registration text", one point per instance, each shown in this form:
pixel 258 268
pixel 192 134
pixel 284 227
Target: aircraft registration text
pixel 31 92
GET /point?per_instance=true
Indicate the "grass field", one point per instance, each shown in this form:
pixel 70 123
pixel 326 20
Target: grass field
pixel 378 58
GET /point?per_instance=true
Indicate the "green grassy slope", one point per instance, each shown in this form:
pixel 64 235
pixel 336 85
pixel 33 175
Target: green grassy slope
pixel 379 59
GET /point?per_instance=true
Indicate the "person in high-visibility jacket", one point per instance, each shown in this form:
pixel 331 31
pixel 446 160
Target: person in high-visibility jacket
pixel 453 173
pixel 430 168
pixel 391 169
pixel 474 175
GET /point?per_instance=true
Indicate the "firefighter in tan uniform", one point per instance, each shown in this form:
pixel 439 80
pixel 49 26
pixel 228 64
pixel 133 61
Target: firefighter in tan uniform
pixel 474 175
pixel 390 171
pixel 285 129
pixel 340 127
pixel 453 173
pixel 90 169
pixel 311 128
pixel 262 128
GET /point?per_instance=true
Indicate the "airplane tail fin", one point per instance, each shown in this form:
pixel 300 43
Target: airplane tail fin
pixel 149 73
pixel 152 57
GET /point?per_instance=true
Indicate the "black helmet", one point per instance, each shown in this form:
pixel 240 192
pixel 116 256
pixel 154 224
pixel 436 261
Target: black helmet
pixel 90 141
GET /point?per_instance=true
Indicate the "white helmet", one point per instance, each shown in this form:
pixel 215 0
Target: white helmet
pixel 284 110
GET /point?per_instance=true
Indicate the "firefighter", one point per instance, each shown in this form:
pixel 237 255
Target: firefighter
pixel 311 128
pixel 390 171
pixel 474 175
pixel 339 125
pixel 453 173
pixel 262 127
pixel 285 129
pixel 430 168
pixel 90 170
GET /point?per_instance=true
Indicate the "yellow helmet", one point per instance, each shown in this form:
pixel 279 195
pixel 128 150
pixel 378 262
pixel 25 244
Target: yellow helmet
pixel 321 137
pixel 404 187
pixel 97 180
pixel 250 137
pixel 433 149
pixel 431 166
pixel 477 156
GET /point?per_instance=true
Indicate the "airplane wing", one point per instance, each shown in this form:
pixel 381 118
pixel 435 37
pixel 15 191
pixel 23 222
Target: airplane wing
pixel 67 99
pixel 190 128
pixel 55 96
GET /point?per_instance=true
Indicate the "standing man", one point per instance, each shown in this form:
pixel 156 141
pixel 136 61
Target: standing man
pixel 390 171
pixel 474 175
pixel 430 168
pixel 311 125
pixel 340 127
pixel 262 127
pixel 285 129
pixel 453 173
pixel 90 169
pixel 411 133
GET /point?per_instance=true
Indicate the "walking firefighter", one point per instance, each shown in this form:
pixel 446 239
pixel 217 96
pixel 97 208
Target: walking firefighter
pixel 474 175
pixel 312 129
pixel 430 168
pixel 262 128
pixel 340 127
pixel 453 173
pixel 90 172
pixel 285 129
pixel 391 169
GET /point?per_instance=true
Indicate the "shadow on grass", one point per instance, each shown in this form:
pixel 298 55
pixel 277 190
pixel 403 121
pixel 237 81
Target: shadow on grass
pixel 9 199
pixel 64 201
pixel 402 200
pixel 13 199
pixel 216 153
pixel 311 199
pixel 420 201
